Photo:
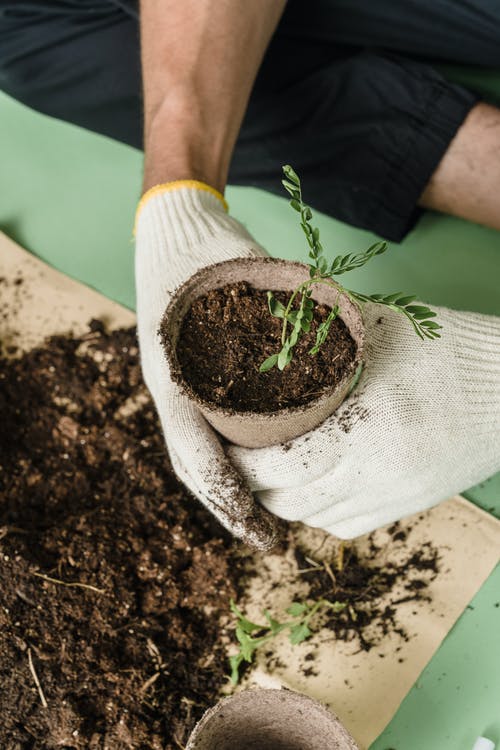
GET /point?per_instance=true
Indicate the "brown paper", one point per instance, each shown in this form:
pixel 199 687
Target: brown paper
pixel 363 688
pixel 37 301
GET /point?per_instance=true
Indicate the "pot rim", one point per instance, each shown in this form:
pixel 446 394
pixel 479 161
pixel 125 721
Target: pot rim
pixel 176 371
pixel 292 697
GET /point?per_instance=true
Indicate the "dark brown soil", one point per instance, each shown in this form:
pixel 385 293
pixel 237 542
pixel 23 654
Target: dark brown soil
pixel 229 332
pixel 87 496
pixel 127 640
pixel 371 590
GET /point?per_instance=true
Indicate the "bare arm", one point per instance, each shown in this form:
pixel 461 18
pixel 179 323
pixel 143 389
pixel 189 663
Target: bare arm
pixel 199 62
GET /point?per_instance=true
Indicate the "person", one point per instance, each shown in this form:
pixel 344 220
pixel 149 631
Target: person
pixel 231 91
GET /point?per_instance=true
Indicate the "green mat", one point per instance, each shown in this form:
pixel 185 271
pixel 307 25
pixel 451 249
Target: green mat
pixel 69 196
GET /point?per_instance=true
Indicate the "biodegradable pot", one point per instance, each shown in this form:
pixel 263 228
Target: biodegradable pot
pixel 269 720
pixel 248 428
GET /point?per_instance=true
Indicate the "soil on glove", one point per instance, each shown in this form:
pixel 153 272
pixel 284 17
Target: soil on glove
pixel 128 645
pixel 228 333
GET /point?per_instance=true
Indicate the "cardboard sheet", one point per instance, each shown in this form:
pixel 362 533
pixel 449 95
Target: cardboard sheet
pixel 364 688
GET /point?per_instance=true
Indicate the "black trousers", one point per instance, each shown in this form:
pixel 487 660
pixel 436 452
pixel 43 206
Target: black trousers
pixel 344 93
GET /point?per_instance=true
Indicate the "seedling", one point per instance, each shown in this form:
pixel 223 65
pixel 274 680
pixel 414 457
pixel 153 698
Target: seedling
pixel 252 636
pixel 298 321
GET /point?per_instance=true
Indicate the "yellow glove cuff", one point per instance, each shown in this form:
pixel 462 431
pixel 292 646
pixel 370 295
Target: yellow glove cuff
pixel 165 187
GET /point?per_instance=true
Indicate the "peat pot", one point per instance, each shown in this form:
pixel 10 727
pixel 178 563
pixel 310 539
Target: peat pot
pixel 248 428
pixel 269 720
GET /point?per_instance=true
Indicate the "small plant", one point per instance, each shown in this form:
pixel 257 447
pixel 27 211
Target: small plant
pixel 298 321
pixel 252 636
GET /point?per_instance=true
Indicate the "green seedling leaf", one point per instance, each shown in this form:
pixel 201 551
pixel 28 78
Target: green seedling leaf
pixel 284 357
pixel 291 174
pixel 290 187
pixel 297 608
pixel 245 641
pixel 431 324
pixel 424 315
pixel 234 663
pixel 299 633
pixel 416 309
pixel 390 299
pixel 247 625
pixel 403 301
pixel 276 627
pixel 269 363
pixel 305 325
pixel 276 309
pixel 308 314
pixel 295 204
pixel 323 265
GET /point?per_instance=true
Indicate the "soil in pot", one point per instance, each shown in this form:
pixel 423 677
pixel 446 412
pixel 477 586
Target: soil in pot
pixel 227 334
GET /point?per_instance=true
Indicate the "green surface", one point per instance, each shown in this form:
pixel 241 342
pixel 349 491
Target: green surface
pixel 69 196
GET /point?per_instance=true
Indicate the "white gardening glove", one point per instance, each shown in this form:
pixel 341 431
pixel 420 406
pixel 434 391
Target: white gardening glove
pixel 180 228
pixel 422 424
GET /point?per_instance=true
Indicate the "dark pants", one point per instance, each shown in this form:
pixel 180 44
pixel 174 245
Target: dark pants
pixel 343 93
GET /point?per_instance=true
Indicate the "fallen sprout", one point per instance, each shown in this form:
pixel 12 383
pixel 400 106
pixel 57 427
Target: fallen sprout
pixel 251 636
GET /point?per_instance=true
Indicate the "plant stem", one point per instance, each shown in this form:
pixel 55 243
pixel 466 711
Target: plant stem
pixel 300 290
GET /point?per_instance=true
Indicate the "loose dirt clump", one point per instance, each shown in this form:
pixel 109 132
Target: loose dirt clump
pixel 112 579
pixel 228 333
pixel 371 589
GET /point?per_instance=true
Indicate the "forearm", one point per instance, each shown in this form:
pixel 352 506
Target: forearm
pixel 199 62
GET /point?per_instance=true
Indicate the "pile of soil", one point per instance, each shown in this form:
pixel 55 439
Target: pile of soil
pixel 114 582
pixel 133 656
pixel 228 333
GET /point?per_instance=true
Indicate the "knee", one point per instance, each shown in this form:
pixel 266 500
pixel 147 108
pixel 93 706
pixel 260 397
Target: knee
pixel 19 38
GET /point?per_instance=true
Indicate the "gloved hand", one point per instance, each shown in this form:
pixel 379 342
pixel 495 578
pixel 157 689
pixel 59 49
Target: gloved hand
pixel 180 228
pixel 422 424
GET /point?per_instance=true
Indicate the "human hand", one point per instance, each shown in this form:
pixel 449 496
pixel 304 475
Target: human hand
pixel 178 231
pixel 422 424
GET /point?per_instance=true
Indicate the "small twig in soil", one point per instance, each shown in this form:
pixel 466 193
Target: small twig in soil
pixel 340 557
pixel 37 681
pixel 4 530
pixel 179 744
pixel 330 572
pixel 24 598
pixel 149 682
pixel 71 583
pixel 307 570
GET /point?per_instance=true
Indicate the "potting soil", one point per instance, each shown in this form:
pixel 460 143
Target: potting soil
pixel 112 579
pixel 114 582
pixel 228 333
